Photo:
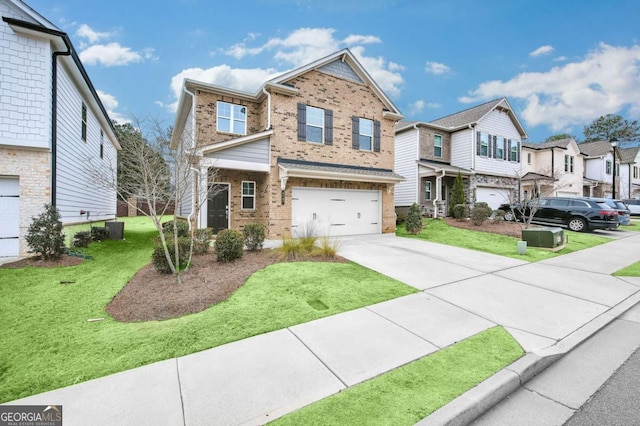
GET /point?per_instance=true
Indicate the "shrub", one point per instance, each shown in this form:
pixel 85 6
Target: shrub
pixel 460 211
pixel 328 248
pixel 414 219
pixel 253 235
pixel 160 260
pixel 457 195
pixel 307 243
pixel 44 236
pixel 181 225
pixel 99 233
pixel 81 239
pixel 498 215
pixel 229 245
pixel 480 212
pixel 202 240
pixel 400 218
pixel 290 248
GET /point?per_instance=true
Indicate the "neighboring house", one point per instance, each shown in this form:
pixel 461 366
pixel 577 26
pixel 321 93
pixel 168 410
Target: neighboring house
pixel 310 152
pixel 482 143
pixel 552 169
pixel 51 123
pixel 598 168
pixel 629 186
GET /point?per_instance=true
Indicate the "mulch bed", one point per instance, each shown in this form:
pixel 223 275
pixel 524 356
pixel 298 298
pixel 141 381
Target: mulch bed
pixel 65 260
pixel 511 229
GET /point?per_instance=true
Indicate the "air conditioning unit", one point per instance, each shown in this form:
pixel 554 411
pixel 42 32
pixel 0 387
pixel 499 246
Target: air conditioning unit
pixel 543 237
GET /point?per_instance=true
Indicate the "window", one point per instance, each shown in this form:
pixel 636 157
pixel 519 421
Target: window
pixel 437 145
pixel 315 124
pixel 231 118
pixel 616 169
pixel 427 189
pixel 483 144
pixel 498 148
pixel 248 195
pixel 528 158
pixel 365 134
pixel 365 137
pixel 101 144
pixel 84 122
pixel 568 163
pixel 608 167
pixel 514 151
pixel 635 172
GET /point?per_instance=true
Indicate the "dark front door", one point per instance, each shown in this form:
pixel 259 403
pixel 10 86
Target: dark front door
pixel 218 208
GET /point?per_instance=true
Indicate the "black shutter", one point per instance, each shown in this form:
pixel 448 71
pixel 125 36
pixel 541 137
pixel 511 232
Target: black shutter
pixel 518 159
pixel 355 132
pixel 494 143
pixel 509 146
pixel 302 122
pixel 376 136
pixel 478 143
pixel 489 145
pixel 505 150
pixel 328 127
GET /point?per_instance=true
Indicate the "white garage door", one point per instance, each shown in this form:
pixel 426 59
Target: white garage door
pixel 9 216
pixel 493 196
pixel 335 212
pixel 567 194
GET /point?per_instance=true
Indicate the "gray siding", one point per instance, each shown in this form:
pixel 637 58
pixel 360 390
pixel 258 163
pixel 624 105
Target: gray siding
pixel 406 156
pixel 341 69
pixel 254 152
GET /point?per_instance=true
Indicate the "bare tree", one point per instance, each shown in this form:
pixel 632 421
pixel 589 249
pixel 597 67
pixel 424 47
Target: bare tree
pixel 160 177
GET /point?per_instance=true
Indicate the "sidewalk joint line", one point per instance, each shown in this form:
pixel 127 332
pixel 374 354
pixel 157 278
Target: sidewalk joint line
pixel 403 328
pixel 346 386
pixel 549 398
pixel 184 419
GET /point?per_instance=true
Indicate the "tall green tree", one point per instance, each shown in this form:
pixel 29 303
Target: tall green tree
pixel 560 137
pixel 457 194
pixel 612 126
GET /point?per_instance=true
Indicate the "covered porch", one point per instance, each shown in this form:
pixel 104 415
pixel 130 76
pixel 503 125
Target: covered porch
pixel 436 181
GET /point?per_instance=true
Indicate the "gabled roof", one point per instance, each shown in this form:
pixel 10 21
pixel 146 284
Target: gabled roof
pixel 628 155
pixel 466 118
pixel 595 148
pixel 560 143
pixel 316 170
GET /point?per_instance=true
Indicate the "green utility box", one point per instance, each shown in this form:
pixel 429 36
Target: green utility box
pixel 543 237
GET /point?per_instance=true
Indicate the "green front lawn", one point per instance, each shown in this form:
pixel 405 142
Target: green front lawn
pixel 48 342
pixel 629 271
pixel 438 231
pixel 408 394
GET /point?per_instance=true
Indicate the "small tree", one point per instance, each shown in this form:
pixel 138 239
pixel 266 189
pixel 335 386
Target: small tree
pixel 480 212
pixel 457 194
pixel 44 236
pixel 413 223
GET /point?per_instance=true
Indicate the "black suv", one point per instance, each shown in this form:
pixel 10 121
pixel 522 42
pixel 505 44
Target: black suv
pixel 576 213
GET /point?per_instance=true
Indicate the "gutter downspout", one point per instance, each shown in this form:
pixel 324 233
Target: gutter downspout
pixel 419 181
pixel 264 90
pixel 54 117
pixel 196 172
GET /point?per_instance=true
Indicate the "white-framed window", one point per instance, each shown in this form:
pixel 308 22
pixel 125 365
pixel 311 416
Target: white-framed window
pixel 499 148
pixel 568 163
pixel 315 124
pixel 514 151
pixel 528 158
pixel 484 145
pixel 607 167
pixel 84 122
pixel 231 118
pixel 635 172
pixel 365 135
pixel 248 195
pixel 437 145
pixel 427 189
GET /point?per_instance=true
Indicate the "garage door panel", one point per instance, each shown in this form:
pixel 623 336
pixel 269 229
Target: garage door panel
pixel 9 216
pixel 492 196
pixel 335 212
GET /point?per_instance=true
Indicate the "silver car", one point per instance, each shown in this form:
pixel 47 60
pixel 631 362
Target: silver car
pixel 633 205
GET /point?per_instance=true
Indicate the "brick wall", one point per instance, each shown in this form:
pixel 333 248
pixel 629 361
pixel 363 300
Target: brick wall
pixel 427 146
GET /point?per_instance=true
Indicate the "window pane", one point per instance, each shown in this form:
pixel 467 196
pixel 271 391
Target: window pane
pixel 315 116
pixel 314 134
pixel 248 188
pixel 239 112
pixel 365 143
pixel 224 109
pixel 247 203
pixel 224 125
pixel 366 127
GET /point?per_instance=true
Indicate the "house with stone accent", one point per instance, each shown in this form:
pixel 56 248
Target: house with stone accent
pixel 599 167
pixel 483 144
pixel 51 123
pixel 552 169
pixel 310 152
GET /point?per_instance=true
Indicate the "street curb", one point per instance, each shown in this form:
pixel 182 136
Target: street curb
pixel 476 401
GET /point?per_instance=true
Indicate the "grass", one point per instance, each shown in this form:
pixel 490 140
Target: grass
pixel 629 271
pixel 47 342
pixel 406 395
pixel 438 231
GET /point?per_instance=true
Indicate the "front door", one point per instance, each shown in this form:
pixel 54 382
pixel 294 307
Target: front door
pixel 218 208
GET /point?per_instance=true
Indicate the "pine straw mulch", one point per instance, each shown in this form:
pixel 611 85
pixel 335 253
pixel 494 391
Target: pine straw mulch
pixel 510 229
pixel 36 261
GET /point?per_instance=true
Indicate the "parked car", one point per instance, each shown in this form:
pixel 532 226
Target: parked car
pixel 579 214
pixel 624 214
pixel 633 205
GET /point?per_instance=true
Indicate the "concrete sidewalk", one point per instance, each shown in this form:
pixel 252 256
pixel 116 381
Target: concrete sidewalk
pixel 549 307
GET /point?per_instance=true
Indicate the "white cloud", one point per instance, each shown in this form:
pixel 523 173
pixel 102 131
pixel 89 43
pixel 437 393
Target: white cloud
pixel 416 107
pixel 300 47
pixel 437 68
pixel 110 104
pixel 109 55
pixel 434 105
pixel 85 31
pixel 606 81
pixel 560 59
pixel 542 50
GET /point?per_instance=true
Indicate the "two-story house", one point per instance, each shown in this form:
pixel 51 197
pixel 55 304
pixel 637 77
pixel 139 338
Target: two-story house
pixel 599 166
pixel 629 186
pixel 552 169
pixel 310 152
pixel 482 143
pixel 52 124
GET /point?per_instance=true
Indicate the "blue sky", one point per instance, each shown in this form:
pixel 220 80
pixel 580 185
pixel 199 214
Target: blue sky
pixel 560 63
